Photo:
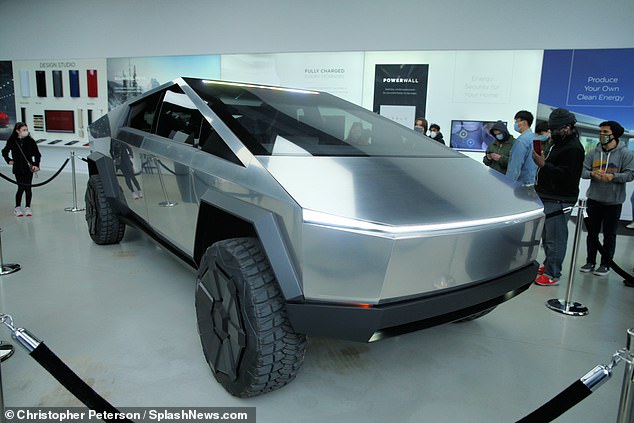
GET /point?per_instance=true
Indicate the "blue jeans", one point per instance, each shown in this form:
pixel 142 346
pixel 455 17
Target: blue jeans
pixel 555 237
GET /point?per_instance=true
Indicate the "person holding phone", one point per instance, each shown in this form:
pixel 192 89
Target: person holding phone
pixel 521 167
pixel 609 167
pixel 557 185
pixel 498 152
pixel 22 153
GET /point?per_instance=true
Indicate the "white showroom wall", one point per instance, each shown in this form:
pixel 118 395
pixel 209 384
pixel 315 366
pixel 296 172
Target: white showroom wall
pixel 40 29
pixel 468 85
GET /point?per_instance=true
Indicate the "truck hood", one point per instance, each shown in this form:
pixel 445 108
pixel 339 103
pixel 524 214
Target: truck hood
pixel 402 191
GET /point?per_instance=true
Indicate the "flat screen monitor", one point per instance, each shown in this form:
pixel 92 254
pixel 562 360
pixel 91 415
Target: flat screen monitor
pixel 59 121
pixel 471 135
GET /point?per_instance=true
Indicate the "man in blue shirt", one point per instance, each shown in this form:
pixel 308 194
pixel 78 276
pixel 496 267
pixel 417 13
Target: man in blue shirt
pixel 521 166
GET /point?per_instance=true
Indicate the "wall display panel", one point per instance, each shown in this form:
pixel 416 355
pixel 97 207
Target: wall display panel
pixel 451 78
pixel 38 123
pixel 25 84
pixel 131 76
pixel 587 83
pixel 59 121
pixel 7 100
pixel 335 73
pixel 73 82
pixel 67 83
pixel 92 83
pixel 400 92
pixel 58 85
pixel 40 83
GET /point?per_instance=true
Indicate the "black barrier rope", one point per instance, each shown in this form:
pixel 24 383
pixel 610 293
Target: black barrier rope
pixel 62 373
pixel 628 279
pixel 75 385
pixel 581 389
pixel 170 170
pixel 561 403
pixel 38 184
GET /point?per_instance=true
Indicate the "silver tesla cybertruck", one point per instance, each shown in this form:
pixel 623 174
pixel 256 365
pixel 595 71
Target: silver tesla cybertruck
pixel 304 214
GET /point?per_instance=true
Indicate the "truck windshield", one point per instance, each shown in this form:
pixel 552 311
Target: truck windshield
pixel 278 121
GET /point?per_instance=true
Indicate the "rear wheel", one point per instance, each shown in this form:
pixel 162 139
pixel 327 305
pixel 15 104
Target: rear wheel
pixel 104 225
pixel 244 330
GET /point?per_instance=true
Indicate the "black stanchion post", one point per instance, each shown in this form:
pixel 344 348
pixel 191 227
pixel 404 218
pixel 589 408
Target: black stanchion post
pixel 72 164
pixel 568 306
pixel 5 269
pixel 6 351
pixel 626 404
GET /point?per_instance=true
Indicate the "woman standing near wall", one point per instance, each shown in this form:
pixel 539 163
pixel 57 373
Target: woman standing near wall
pixel 22 153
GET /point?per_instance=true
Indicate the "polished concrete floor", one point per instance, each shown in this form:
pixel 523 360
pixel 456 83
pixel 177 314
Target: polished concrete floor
pixel 122 317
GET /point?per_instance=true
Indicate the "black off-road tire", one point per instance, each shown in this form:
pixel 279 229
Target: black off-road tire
pixel 242 322
pixel 104 225
pixel 475 315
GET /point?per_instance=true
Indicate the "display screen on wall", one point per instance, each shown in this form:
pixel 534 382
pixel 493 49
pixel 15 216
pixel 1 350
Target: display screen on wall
pixel 471 134
pixel 59 121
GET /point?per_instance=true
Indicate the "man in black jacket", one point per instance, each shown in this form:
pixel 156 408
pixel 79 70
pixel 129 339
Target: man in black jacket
pixel 557 185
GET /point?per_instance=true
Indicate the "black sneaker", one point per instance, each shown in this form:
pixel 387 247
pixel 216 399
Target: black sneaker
pixel 587 268
pixel 602 270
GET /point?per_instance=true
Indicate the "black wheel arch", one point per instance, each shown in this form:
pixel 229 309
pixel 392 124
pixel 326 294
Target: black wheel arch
pixel 218 220
pixel 102 165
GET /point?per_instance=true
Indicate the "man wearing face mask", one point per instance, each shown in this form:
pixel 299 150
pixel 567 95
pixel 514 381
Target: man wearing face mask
pixel 21 151
pixel 435 134
pixel 557 185
pixel 498 152
pixel 521 166
pixel 609 167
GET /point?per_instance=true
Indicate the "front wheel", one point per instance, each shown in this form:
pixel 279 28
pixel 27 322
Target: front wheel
pixel 244 330
pixel 104 225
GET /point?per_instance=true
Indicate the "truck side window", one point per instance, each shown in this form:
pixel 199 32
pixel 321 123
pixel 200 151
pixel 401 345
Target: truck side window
pixel 210 142
pixel 179 119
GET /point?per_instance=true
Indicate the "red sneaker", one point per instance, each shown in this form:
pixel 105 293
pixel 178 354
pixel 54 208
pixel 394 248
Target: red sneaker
pixel 544 280
pixel 540 271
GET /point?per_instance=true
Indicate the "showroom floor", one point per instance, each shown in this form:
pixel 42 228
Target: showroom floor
pixel 122 317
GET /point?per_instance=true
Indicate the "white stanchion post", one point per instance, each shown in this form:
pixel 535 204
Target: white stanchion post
pixel 5 269
pixel 568 306
pixel 74 208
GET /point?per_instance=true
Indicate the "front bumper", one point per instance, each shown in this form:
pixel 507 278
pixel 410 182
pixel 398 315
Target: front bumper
pixel 363 324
